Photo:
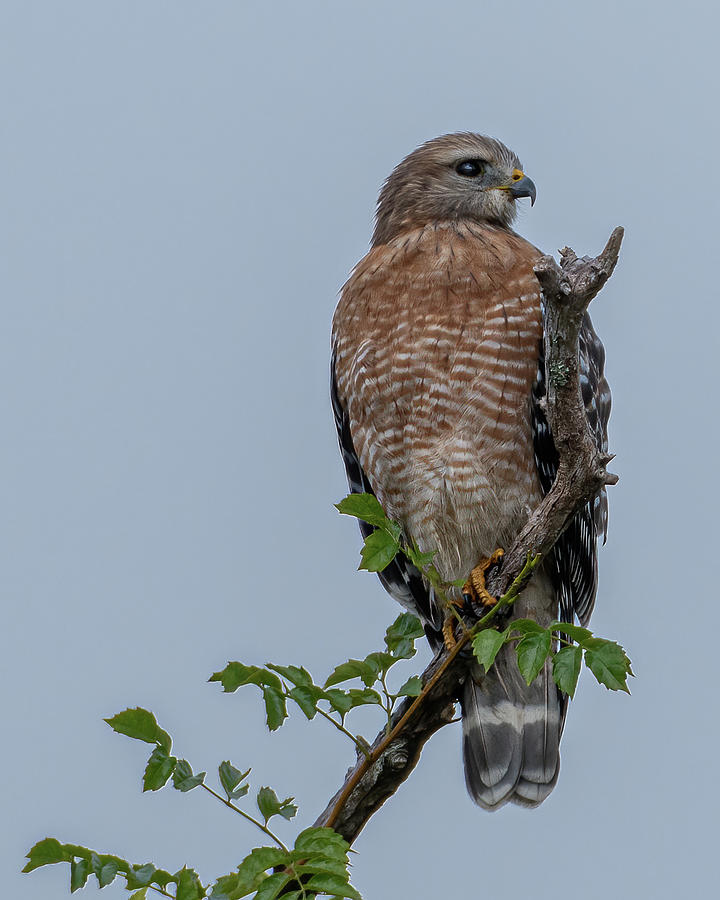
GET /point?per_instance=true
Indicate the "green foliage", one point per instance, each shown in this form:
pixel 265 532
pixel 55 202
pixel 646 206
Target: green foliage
pixel 317 864
pixel 606 660
pixel 106 868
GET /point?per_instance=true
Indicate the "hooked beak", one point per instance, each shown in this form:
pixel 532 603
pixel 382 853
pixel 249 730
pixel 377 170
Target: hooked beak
pixel 522 186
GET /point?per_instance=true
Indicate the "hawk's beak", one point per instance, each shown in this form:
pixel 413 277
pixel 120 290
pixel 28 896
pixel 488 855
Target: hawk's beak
pixel 522 186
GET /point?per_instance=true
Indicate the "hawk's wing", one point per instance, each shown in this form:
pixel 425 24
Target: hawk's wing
pixel 574 556
pixel 401 579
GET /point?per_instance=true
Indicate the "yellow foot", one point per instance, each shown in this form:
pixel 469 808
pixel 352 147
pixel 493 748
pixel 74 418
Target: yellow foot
pixel 451 620
pixel 475 588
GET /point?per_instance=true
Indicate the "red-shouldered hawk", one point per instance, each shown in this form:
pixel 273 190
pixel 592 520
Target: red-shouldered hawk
pixel 436 376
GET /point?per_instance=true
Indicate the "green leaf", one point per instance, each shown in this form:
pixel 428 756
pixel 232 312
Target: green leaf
pixel 525 626
pixel 79 871
pixel 269 805
pixel 139 895
pixel 188 885
pixel 532 652
pixel 107 874
pixel 380 661
pixel 364 697
pixel 574 632
pixel 230 778
pixel 140 876
pixel 45 853
pixel 486 646
pixel 411 688
pixel 159 768
pixel 353 668
pixel 183 778
pixel 339 701
pixel 608 662
pixel 236 674
pixel 293 674
pixel 251 870
pixel 306 697
pixel 379 550
pixel 365 507
pixel 274 707
pixel 566 668
pixel 332 884
pixel 401 635
pixel 270 888
pixel 419 559
pixel 140 724
pixel 324 841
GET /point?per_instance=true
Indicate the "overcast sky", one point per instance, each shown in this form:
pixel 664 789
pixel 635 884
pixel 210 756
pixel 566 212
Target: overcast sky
pixel 184 189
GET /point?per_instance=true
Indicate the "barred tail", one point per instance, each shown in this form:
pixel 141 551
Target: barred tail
pixel 511 735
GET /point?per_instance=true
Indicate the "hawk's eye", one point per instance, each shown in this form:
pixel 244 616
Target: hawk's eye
pixel 470 168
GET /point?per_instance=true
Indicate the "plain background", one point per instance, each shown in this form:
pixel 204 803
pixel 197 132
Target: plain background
pixel 185 187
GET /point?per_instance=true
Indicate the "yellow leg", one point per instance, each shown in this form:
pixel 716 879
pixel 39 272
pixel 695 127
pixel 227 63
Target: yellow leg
pixel 475 588
pixel 449 624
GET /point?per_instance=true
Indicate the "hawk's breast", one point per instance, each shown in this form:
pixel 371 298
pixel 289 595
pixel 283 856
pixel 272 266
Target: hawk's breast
pixel 436 341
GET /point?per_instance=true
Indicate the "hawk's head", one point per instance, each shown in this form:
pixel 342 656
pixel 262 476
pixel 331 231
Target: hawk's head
pixel 456 176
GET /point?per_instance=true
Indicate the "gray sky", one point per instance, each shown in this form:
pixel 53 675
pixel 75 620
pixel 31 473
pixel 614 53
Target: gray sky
pixel 184 189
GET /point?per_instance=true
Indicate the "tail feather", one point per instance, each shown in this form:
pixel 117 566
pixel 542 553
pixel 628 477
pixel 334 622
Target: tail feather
pixel 511 735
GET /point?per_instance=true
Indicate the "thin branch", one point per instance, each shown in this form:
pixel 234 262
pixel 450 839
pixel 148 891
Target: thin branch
pixel 568 289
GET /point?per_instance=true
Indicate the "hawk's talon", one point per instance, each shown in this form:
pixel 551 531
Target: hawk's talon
pixel 474 591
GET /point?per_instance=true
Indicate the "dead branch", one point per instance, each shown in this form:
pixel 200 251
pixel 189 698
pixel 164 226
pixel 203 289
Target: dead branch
pixel 568 289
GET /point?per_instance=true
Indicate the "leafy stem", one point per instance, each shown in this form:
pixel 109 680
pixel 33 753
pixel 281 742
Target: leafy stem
pixel 245 815
pixel 359 742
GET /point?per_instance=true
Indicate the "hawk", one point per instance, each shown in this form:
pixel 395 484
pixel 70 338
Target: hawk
pixel 437 377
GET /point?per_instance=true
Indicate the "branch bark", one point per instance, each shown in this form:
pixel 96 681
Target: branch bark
pixel 567 289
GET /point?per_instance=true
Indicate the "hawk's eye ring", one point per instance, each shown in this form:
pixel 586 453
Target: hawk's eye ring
pixel 470 168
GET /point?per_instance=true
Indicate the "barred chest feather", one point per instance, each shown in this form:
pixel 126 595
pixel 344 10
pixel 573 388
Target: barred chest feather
pixel 436 341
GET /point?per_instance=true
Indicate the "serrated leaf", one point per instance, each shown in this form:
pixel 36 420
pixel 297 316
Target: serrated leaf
pixel 269 805
pixel 532 652
pixel 306 697
pixel 251 870
pixel 332 884
pixel 140 724
pixel 230 778
pixel 159 768
pixel 46 853
pixel 486 646
pixel 294 674
pixel 608 662
pixel 315 864
pixel 107 874
pixel 364 697
pixel 161 878
pixel 270 888
pixel 566 668
pixel 525 626
pixel 140 876
pixel 400 637
pixel 419 559
pixel 237 674
pixel 378 551
pixel 275 708
pixel 353 668
pixel 574 632
pixel 188 885
pixel 79 871
pixel 412 687
pixel 380 661
pixel 339 701
pixel 365 507
pixel 139 895
pixel 225 887
pixel 183 778
pixel 324 841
